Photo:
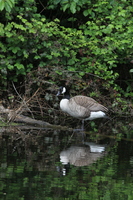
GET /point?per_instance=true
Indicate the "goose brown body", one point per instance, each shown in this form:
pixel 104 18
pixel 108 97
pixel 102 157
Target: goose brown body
pixel 81 107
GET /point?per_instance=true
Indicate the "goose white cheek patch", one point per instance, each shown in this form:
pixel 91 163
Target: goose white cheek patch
pixel 64 90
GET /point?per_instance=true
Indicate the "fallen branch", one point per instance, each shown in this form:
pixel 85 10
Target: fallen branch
pixel 11 115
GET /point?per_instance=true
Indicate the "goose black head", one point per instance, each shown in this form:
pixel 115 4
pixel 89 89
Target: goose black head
pixel 62 90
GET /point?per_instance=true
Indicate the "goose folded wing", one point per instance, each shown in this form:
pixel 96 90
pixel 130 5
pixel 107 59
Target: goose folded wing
pixel 88 103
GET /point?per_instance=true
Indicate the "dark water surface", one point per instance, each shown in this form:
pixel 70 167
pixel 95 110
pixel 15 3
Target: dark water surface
pixel 38 164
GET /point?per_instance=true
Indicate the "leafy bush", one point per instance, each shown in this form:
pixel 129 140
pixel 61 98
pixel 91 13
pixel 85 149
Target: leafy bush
pixel 38 43
pixel 100 43
pixel 107 26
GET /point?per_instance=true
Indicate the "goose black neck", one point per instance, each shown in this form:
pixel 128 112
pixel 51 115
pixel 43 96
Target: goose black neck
pixel 66 95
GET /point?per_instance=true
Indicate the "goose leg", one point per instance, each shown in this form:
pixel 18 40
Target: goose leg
pixel 81 131
pixel 82 127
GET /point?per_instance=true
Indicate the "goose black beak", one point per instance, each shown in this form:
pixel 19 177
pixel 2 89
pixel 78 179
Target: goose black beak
pixel 58 93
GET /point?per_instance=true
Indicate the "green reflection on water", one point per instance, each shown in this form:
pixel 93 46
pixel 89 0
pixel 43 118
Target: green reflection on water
pixel 31 169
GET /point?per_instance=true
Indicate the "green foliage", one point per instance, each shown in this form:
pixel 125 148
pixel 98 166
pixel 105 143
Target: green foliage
pixel 30 168
pixel 101 42
pixel 7 5
pixel 40 42
pixel 107 26
pixel 48 44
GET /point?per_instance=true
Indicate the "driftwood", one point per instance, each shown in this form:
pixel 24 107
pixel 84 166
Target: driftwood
pixel 13 116
pixel 28 123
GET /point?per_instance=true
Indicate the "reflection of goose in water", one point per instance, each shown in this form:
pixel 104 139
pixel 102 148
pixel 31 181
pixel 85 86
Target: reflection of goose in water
pixel 82 155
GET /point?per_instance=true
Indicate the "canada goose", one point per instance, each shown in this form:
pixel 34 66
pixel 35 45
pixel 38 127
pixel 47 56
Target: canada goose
pixel 81 107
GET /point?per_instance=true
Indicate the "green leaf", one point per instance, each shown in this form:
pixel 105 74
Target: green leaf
pixel 10 67
pixel 21 38
pixel 9 3
pixel 71 62
pixel 81 73
pixel 65 7
pixel 2 30
pixel 13 1
pixel 37 57
pixel 2 5
pixel 58 72
pixel 73 7
pixel 15 49
pixel 71 68
pixel 64 1
pixel 19 66
pixel 131 71
pixel 85 13
pixel 57 1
